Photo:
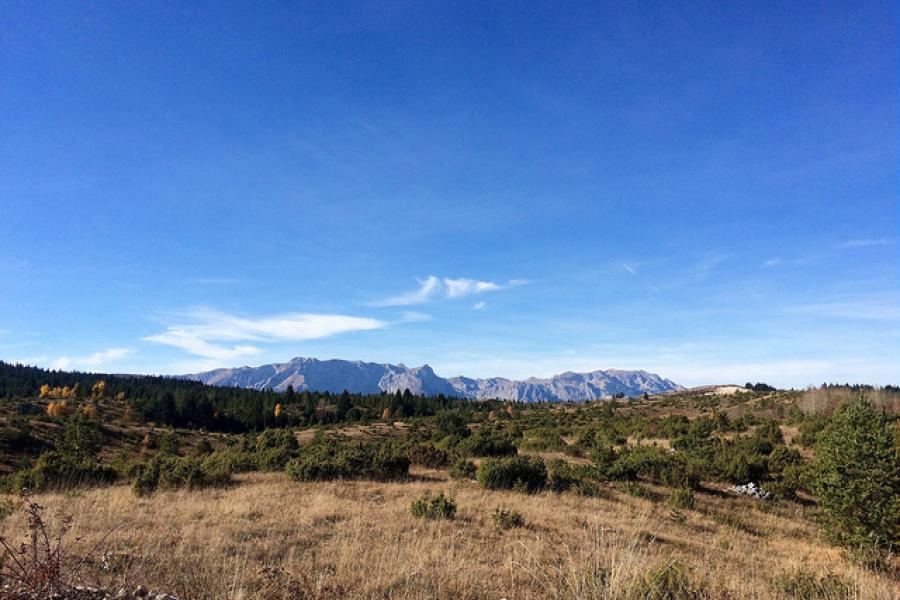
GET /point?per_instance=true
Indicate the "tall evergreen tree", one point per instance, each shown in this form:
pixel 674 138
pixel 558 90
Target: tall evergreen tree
pixel 857 478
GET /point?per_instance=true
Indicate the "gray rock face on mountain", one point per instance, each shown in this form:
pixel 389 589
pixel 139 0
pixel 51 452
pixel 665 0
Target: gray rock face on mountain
pixel 372 378
pixel 575 387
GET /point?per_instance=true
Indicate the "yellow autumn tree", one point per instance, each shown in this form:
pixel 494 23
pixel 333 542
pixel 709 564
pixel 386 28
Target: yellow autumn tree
pixel 45 390
pixel 98 390
pixel 58 409
pixel 277 410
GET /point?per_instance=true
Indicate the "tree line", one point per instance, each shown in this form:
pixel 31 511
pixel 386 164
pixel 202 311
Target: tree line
pixel 175 402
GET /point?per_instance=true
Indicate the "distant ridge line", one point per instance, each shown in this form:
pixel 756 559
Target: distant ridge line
pixel 336 375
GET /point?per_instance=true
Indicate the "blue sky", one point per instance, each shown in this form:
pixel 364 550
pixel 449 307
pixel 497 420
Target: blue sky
pixel 709 192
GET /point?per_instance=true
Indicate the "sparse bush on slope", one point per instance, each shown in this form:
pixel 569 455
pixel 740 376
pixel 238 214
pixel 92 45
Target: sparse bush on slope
pixel 274 448
pixel 681 498
pixel 434 507
pixel 507 519
pixel 463 468
pixel 524 473
pixel 58 470
pixel 354 460
pixel 173 472
pixel 488 443
pixel 426 455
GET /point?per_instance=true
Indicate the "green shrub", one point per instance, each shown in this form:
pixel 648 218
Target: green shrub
pixel 604 457
pixel 508 519
pixel 353 460
pixel 168 443
pixel 681 498
pixel 427 455
pixel 82 438
pixel 434 507
pixel 543 439
pixel 669 582
pixel 146 479
pixel 58 470
pixel 173 472
pixel 782 458
pixel 792 479
pixel 451 424
pixel 203 447
pixel 463 468
pixel 232 460
pixel 655 464
pixel 524 473
pixel 810 429
pixel 488 443
pixel 768 433
pixel 736 464
pixel 273 448
pixel 273 459
pixel 804 585
pixel 856 477
pixel 560 475
pixel 563 476
pixel 276 438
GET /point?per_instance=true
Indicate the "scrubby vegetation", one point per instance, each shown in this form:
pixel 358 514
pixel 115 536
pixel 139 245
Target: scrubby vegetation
pixel 434 507
pixel 520 473
pixel 323 460
pixel 507 518
pixel 684 457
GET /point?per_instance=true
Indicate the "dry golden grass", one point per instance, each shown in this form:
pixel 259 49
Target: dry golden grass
pixel 267 537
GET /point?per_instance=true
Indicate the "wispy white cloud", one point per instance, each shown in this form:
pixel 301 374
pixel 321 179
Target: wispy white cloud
pixel 206 332
pixel 772 262
pixel 457 288
pixel 630 268
pixel 867 243
pixel 479 305
pixel 91 361
pixel 433 288
pixel 428 289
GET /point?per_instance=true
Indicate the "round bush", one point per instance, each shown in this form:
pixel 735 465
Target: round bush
pixel 525 473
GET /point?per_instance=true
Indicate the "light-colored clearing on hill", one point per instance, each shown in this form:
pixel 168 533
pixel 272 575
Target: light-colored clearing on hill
pixel 728 390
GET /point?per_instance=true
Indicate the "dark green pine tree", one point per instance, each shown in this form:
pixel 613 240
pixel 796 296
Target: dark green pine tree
pixel 856 476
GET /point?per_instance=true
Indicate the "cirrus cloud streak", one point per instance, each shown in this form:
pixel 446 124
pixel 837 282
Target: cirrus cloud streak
pixel 206 332
pixel 435 288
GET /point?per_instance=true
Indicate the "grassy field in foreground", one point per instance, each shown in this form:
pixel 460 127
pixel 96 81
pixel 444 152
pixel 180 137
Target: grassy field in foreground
pixel 268 537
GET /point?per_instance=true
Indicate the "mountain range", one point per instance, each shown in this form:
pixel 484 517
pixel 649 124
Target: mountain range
pixel 371 378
